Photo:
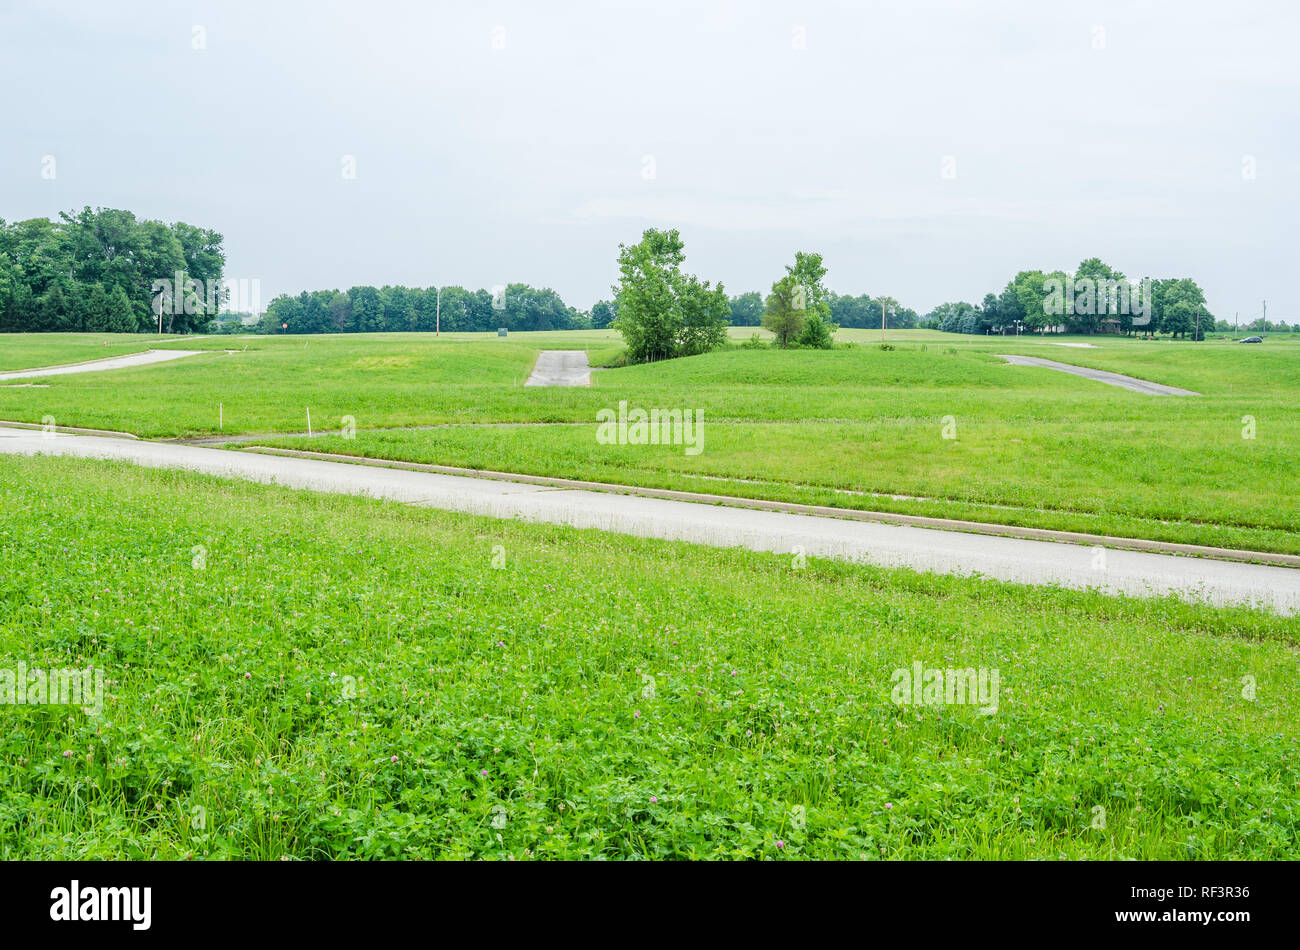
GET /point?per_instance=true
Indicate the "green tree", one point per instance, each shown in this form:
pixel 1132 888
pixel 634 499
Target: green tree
pixel 786 311
pixel 1096 296
pixel 817 332
pixel 956 317
pixel 95 309
pixel 704 316
pixel 54 310
pixel 893 312
pixel 7 282
pixel 808 272
pixel 121 318
pixel 280 311
pixel 991 313
pixel 661 312
pixel 747 310
pixel 1010 309
pixel 1179 307
pixel 1040 304
pixel 1179 318
pixel 367 312
pixel 602 314
pixel 852 311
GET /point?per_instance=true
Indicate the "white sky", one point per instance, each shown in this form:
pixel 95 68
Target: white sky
pixel 479 166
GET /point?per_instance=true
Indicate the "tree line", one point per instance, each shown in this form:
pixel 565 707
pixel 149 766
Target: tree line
pixel 861 312
pixel 421 309
pixel 1096 298
pixel 100 271
pixel 97 270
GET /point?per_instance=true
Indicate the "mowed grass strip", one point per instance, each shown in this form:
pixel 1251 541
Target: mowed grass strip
pixel 312 676
pixel 1029 446
pixel 1028 473
pixel 36 350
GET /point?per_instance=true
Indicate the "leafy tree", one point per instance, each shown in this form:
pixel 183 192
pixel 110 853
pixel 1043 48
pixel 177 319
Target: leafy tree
pixel 1179 306
pixel 957 317
pixel 786 312
pixel 646 298
pixel 704 316
pixel 458 309
pixel 7 283
pixel 398 306
pixel 991 312
pixel 816 332
pixel 808 272
pixel 54 310
pixel 1096 297
pixel 528 308
pixel 281 311
pixel 367 311
pixel 747 309
pixel 1010 308
pixel 315 312
pixel 23 308
pixel 112 249
pixel 891 307
pixel 1179 318
pixel 121 318
pixel 602 314
pixel 661 312
pixel 95 309
pixel 851 311
pixel 340 306
pixel 1032 293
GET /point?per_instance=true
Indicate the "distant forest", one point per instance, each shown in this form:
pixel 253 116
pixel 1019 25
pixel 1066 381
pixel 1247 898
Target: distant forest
pixel 389 309
pixel 100 271
pixel 96 271
pixel 846 311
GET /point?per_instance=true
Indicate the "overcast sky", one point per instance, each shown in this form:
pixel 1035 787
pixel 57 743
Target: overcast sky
pixel 929 150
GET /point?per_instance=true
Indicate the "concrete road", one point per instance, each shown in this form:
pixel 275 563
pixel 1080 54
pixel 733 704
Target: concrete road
pixel 923 549
pixel 95 366
pixel 561 368
pixel 1101 376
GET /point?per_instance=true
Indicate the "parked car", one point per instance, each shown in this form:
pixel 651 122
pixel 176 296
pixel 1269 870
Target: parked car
pixel 1252 339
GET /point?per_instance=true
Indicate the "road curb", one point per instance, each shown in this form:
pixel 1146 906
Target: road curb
pixel 72 430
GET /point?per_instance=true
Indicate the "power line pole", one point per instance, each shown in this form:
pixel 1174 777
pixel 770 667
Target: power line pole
pixel 1265 330
pixel 437 314
pixel 882 321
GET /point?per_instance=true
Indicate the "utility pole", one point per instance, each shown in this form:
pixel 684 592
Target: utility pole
pixel 437 314
pixel 1264 332
pixel 882 321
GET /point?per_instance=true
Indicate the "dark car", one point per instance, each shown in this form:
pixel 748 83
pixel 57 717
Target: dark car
pixel 1252 339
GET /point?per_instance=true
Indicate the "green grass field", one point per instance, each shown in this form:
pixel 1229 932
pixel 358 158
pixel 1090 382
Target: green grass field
pixel 309 676
pixel 33 350
pixel 858 427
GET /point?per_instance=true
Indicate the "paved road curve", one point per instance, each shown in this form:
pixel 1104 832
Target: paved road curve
pixel 1101 376
pixel 94 366
pixel 924 549
pixel 561 368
